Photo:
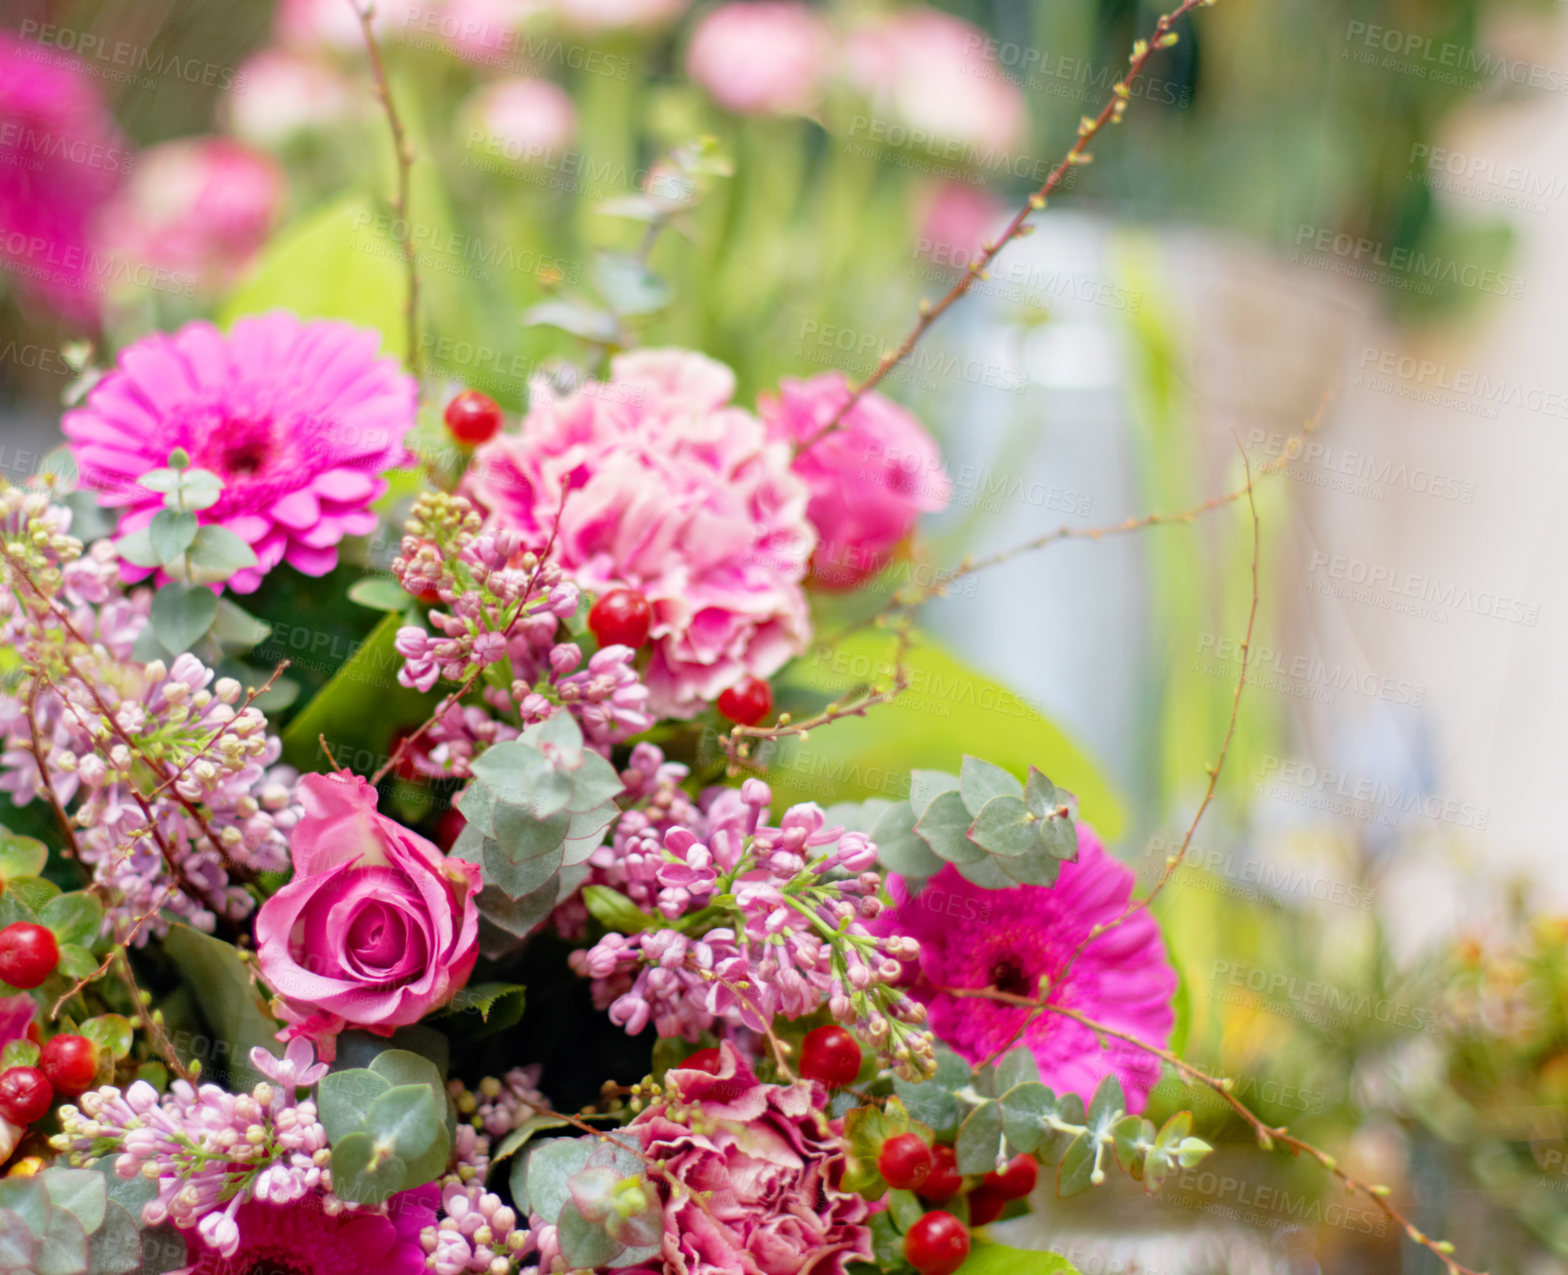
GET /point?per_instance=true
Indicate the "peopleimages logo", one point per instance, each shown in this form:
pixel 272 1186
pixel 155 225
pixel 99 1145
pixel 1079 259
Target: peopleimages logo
pixel 1416 266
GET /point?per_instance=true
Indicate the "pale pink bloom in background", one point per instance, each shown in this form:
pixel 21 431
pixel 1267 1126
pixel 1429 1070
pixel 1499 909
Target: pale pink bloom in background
pixel 669 489
pixel 200 207
pixel 928 72
pixel 61 158
pixel 298 419
pixel 1009 939
pixel 870 478
pixel 959 219
pixel 606 15
pixel 523 121
pixel 765 57
pixel 334 24
pixel 483 31
pixel 376 929
pixel 279 95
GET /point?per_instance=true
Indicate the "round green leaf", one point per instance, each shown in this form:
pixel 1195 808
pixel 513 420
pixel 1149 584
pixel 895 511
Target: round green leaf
pixel 170 533
pixel 360 1176
pixel 75 917
pixel 181 613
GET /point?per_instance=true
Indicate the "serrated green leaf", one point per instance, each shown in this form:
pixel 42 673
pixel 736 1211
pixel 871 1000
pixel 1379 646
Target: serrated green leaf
pixel 182 613
pixel 74 918
pixel 170 534
pixel 497 1005
pixel 980 781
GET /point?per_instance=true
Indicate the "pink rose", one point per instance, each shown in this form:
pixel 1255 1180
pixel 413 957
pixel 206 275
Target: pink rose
pixel 759 1169
pixel 376 929
pixel 869 479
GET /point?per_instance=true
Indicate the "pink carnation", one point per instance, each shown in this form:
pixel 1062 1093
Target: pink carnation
pixel 762 57
pixel 297 418
pixel 928 71
pixel 759 1163
pixel 1007 939
pixel 376 929
pixel 199 207
pixel 673 491
pixel 870 478
pixel 61 158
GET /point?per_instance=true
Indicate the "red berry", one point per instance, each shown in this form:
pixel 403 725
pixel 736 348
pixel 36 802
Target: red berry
pixel 25 1095
pixel 622 617
pixel 945 1179
pixel 985 1205
pixel 473 417
pixel 830 1054
pixel 747 702
pixel 28 954
pixel 905 1161
pixel 70 1064
pixel 708 1060
pixel 1016 1179
pixel 937 1244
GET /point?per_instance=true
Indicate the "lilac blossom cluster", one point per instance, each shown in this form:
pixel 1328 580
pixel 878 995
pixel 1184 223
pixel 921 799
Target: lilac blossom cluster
pixel 501 607
pixel 206 1150
pixel 762 920
pixel 173 781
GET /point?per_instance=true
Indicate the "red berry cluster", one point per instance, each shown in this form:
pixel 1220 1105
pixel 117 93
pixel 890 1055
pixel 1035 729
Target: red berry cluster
pixel 67 1067
pixel 938 1243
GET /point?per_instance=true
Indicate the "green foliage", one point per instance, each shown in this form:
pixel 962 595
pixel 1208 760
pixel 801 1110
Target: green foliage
pixel 236 1016
pixel 64 1222
pixel 865 1130
pixel 387 1124
pixel 21 856
pixel 496 1005
pixel 607 1213
pixel 998 1259
pixel 997 831
pixel 949 710
pixel 537 805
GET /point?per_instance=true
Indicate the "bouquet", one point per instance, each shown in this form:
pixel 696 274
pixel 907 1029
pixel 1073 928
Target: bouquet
pixel 486 945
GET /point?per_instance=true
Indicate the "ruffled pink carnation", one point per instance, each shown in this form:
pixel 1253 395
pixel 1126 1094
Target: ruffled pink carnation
pixel 298 419
pixel 761 57
pixel 376 929
pixel 1008 939
pixel 198 206
pixel 763 1159
pixel 673 491
pixel 61 158
pixel 927 70
pixel 870 478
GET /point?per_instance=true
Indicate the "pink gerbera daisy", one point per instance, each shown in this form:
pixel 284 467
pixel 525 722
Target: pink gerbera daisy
pixel 302 1239
pixel 1008 939
pixel 298 419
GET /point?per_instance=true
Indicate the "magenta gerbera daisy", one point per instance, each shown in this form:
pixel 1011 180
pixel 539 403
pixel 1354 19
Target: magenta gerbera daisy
pixel 1007 939
pixel 299 419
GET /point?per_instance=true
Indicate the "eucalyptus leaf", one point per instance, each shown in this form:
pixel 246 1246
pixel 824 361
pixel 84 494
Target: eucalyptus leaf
pixel 170 534
pixel 1005 827
pixel 979 1139
pixel 182 613
pixel 898 848
pixel 979 781
pixel 80 1192
pixel 945 827
pixel 136 548
pixel 584 1244
pixel 343 1098
pixel 549 1165
pixel 217 553
pixel 361 1175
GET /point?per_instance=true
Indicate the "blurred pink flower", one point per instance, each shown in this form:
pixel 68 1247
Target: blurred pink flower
pixel 1007 939
pixel 606 15
pixel 376 929
pixel 767 1158
pixel 959 219
pixel 761 57
pixel 870 478
pixel 483 31
pixel 200 207
pixel 928 71
pixel 520 120
pixel 334 24
pixel 279 94
pixel 298 419
pixel 61 158
pixel 675 492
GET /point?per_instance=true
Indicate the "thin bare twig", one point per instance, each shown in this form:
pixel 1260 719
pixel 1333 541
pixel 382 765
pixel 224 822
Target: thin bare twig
pixel 404 155
pixel 152 1023
pixel 1268 1135
pixel 1088 129
pixel 37 748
